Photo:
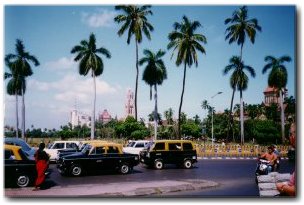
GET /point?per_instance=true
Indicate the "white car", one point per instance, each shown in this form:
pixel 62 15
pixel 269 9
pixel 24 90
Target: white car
pixel 60 145
pixel 134 147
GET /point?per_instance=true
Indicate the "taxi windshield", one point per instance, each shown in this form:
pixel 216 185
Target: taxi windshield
pixel 86 149
pixel 131 144
pixel 150 146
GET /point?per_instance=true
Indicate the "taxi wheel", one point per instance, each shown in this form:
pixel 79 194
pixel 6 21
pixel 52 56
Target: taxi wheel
pixel 187 164
pixel 76 170
pixel 23 180
pixel 124 169
pixel 158 164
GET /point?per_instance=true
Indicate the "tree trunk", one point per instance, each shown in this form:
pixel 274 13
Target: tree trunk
pixel 155 112
pixel 230 119
pixel 93 113
pixel 242 117
pixel 282 115
pixel 181 103
pixel 23 117
pixel 17 119
pixel 241 105
pixel 136 83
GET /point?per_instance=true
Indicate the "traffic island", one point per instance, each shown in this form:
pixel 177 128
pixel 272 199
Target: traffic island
pixel 127 189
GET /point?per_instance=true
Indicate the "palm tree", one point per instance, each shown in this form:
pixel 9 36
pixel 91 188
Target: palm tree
pixel 90 61
pixel 197 119
pixel 135 21
pixel 240 79
pixel 21 63
pixel 278 78
pixel 14 87
pixel 205 105
pixel 186 42
pixel 154 74
pixel 240 27
pixel 169 116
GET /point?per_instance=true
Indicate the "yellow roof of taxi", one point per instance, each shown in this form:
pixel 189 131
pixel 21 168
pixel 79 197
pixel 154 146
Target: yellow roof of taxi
pixel 94 141
pixel 174 141
pixel 105 143
pixel 12 147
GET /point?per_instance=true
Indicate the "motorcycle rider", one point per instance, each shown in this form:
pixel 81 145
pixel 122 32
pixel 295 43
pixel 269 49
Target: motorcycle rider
pixel 276 152
pixel 271 157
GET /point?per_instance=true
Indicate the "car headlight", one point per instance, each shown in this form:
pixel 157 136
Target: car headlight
pixel 193 157
pixel 136 158
pixel 148 154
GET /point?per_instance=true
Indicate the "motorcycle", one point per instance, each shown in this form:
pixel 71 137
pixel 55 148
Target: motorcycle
pixel 263 168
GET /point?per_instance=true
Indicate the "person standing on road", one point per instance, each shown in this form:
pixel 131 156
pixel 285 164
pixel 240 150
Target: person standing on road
pixel 42 163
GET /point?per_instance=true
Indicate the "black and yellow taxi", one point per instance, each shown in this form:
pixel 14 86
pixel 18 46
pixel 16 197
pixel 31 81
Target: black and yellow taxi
pixel 96 157
pixel 19 170
pixel 161 152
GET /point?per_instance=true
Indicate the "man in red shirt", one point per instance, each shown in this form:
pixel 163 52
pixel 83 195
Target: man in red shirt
pixel 271 157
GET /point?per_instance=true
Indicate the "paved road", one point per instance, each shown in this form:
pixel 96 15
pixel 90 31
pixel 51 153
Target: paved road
pixel 236 177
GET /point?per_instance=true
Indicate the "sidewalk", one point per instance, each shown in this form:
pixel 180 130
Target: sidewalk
pixel 128 189
pixel 267 183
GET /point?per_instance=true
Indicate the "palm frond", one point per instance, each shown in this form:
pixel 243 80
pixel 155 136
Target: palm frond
pixel 104 51
pixel 285 59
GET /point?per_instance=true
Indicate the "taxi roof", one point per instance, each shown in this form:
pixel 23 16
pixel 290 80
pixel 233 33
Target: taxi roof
pixel 12 147
pixel 174 141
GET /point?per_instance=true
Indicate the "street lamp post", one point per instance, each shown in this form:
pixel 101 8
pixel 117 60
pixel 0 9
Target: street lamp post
pixel 212 136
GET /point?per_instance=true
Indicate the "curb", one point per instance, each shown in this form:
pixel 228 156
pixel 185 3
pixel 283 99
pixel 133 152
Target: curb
pixel 233 158
pixel 129 189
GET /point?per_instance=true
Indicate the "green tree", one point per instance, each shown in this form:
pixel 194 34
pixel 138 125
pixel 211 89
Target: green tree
pixel 20 62
pixel 272 112
pixel 151 117
pixel 241 82
pixel 169 116
pixel 253 111
pixel 278 78
pixel 190 128
pixel 197 120
pixel 263 131
pixel 206 106
pixel 183 118
pixel 154 74
pixel 14 87
pixel 240 27
pixel 186 43
pixel 134 19
pixel 290 109
pixel 90 61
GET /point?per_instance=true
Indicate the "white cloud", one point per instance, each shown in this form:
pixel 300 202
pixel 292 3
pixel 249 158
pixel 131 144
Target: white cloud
pixel 73 86
pixel 61 64
pixel 102 18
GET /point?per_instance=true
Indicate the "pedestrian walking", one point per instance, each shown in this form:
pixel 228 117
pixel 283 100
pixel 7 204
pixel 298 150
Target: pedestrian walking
pixel 42 164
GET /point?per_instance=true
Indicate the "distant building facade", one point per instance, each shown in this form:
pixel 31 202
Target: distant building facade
pixel 105 117
pixel 80 119
pixel 271 95
pixel 129 106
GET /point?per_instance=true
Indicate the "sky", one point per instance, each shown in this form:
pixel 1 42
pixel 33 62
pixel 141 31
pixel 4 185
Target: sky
pixel 49 32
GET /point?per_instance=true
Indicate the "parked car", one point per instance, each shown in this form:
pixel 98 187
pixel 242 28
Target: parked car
pixel 61 145
pixel 81 146
pixel 134 147
pixel 29 151
pixel 97 157
pixel 19 169
pixel 161 152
